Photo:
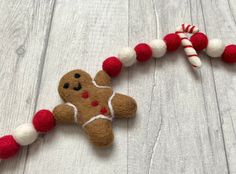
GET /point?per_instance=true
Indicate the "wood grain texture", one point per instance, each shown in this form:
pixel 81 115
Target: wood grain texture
pixel 181 130
pixel 222 16
pixel 186 119
pixel 23 40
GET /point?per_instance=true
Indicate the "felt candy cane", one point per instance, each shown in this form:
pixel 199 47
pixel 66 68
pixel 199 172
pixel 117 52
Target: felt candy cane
pixel 188 47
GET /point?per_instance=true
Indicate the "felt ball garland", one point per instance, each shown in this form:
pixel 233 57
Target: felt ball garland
pixel 8 147
pixel 215 48
pixel 199 41
pixel 44 121
pixel 143 52
pixel 26 134
pixel 127 56
pixel 112 65
pixel 229 54
pixel 158 47
pixel 173 41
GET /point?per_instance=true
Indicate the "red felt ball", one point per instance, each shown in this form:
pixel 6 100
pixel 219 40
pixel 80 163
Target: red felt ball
pixel 199 41
pixel 112 66
pixel 44 121
pixel 229 54
pixel 173 41
pixel 143 52
pixel 8 147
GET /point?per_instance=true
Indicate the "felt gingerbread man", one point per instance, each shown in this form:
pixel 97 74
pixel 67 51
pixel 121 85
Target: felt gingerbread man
pixel 92 104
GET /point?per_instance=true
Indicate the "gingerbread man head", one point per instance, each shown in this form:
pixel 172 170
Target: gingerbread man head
pixel 92 104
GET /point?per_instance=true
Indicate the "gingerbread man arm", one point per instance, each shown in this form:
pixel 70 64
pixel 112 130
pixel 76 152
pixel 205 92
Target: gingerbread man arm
pixel 102 78
pixel 123 106
pixel 64 113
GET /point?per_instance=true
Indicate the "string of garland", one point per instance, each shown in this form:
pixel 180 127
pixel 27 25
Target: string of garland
pixel 44 121
pixel 157 48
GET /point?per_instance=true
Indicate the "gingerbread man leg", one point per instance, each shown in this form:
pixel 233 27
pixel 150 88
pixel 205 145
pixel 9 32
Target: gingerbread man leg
pixel 100 132
pixel 123 106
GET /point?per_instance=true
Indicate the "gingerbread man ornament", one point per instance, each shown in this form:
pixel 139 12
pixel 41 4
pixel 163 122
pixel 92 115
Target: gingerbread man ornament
pixel 92 104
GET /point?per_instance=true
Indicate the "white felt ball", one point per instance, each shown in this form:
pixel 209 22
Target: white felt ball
pixel 215 48
pixel 158 48
pixel 127 56
pixel 25 134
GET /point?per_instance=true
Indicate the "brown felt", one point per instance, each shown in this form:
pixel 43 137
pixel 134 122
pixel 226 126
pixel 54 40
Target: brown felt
pixel 102 78
pixel 123 106
pixel 64 113
pixel 100 132
pixel 81 92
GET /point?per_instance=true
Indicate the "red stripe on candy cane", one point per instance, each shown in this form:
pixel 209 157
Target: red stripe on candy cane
pixel 177 32
pixel 183 28
pixel 192 55
pixel 188 46
pixel 184 38
pixel 186 30
pixel 191 30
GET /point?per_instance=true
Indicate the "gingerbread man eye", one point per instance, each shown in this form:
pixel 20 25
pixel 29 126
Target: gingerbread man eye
pixel 66 85
pixel 77 76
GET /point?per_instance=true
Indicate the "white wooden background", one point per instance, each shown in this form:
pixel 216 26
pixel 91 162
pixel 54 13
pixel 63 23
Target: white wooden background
pixel 186 121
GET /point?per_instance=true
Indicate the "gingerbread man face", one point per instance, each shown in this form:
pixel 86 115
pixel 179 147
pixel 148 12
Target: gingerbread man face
pixel 92 104
pixel 73 83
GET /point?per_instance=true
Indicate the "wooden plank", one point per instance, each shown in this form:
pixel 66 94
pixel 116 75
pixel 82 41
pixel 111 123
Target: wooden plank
pixel 178 127
pixel 185 120
pixel 219 21
pixel 83 34
pixel 23 38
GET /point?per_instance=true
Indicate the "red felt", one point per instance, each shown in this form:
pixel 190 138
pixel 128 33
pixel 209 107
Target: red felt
pixel 229 54
pixel 173 41
pixel 8 147
pixel 85 94
pixel 112 66
pixel 143 52
pixel 103 110
pixel 199 41
pixel 44 121
pixel 94 103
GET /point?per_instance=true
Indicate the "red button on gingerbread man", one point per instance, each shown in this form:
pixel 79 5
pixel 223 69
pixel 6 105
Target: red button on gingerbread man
pixel 92 104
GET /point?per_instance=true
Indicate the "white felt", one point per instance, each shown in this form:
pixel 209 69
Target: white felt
pixel 195 61
pixel 182 35
pixel 190 51
pixel 110 105
pixel 127 56
pixel 158 48
pixel 215 48
pixel 99 86
pixel 95 118
pixel 75 111
pixel 25 134
pixel 186 42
